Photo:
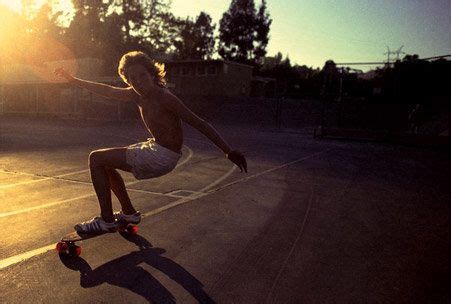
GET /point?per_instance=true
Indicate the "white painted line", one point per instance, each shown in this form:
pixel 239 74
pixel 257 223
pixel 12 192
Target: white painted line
pixel 72 173
pixel 180 201
pixel 24 183
pixel 15 212
pixel 266 171
pixel 284 264
pixel 42 178
pixel 174 193
pixel 45 178
pixel 219 179
pixel 24 256
pixel 189 198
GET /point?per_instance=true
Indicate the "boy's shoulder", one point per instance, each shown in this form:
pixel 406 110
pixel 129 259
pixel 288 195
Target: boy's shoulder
pixel 168 97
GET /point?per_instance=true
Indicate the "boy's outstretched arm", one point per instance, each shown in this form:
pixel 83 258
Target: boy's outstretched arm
pixel 125 94
pixel 185 114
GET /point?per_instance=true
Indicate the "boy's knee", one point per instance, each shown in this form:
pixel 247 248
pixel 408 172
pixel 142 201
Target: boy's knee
pixel 110 171
pixel 95 158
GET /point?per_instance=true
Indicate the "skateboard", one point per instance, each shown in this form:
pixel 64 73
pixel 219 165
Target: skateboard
pixel 67 244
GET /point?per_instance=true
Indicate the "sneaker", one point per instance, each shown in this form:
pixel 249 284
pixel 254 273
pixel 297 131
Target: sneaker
pixel 135 218
pixel 96 226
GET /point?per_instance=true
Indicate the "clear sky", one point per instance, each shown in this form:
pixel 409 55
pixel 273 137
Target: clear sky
pixel 313 31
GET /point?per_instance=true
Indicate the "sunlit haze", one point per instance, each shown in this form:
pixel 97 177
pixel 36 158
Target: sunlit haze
pixel 64 6
pixel 311 32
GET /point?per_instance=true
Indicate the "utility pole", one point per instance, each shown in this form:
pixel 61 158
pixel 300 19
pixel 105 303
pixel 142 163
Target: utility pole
pixel 397 52
pixel 388 53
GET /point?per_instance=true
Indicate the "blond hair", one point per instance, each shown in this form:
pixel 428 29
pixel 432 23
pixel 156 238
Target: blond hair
pixel 156 69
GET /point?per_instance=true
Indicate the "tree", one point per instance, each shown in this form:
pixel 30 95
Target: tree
pixel 159 27
pixel 263 24
pixel 85 31
pixel 204 38
pixel 195 39
pixel 243 32
pixel 131 17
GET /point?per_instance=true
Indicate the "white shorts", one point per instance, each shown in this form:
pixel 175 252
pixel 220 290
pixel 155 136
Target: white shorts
pixel 148 159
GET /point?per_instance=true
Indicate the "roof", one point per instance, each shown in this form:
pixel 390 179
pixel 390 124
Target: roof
pixel 209 61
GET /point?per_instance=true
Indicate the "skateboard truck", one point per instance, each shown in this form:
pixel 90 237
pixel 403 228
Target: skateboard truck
pixel 67 244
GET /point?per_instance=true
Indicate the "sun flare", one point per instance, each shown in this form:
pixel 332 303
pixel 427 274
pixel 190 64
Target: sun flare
pixel 19 44
pixel 64 6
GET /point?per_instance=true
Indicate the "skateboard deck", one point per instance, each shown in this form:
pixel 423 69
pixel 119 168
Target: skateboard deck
pixel 67 244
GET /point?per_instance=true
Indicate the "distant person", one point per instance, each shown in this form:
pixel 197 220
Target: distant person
pixel 161 113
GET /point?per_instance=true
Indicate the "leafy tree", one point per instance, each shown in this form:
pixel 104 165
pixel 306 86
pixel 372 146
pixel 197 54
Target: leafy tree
pixel 263 24
pixel 159 27
pixel 84 33
pixel 243 32
pixel 205 42
pixel 130 14
pixel 291 81
pixel 195 39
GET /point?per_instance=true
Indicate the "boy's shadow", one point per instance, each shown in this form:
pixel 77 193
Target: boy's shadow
pixel 125 272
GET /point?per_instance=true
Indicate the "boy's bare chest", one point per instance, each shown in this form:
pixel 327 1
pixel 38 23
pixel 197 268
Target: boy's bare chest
pixel 156 117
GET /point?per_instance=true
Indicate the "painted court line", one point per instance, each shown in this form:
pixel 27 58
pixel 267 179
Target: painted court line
pixel 15 212
pixel 42 177
pixel 267 171
pixel 218 180
pixel 60 177
pixel 27 255
pixel 298 237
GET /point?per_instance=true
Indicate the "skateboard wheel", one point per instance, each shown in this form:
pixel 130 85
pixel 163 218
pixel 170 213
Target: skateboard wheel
pixel 74 250
pixel 132 229
pixel 62 247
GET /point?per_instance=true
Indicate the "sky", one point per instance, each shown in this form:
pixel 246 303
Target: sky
pixel 313 31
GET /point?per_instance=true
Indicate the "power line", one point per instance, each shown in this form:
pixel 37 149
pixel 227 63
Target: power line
pixel 381 62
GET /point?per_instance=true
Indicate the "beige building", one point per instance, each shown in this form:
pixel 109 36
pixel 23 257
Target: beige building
pixel 209 78
pixel 35 90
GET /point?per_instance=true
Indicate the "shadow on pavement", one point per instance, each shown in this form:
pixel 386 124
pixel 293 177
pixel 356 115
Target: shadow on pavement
pixel 125 272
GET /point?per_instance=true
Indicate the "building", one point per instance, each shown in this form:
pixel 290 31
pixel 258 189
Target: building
pixel 36 90
pixel 209 78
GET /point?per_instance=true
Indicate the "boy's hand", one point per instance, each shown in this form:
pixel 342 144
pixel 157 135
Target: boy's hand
pixel 238 159
pixel 64 74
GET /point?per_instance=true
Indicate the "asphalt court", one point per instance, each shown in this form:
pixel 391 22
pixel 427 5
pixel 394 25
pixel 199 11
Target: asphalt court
pixel 311 221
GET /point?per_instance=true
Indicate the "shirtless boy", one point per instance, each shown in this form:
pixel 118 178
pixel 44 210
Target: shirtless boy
pixel 161 113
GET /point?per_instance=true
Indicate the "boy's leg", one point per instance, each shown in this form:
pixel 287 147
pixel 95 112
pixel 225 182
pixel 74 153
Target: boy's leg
pixel 118 186
pixel 99 162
